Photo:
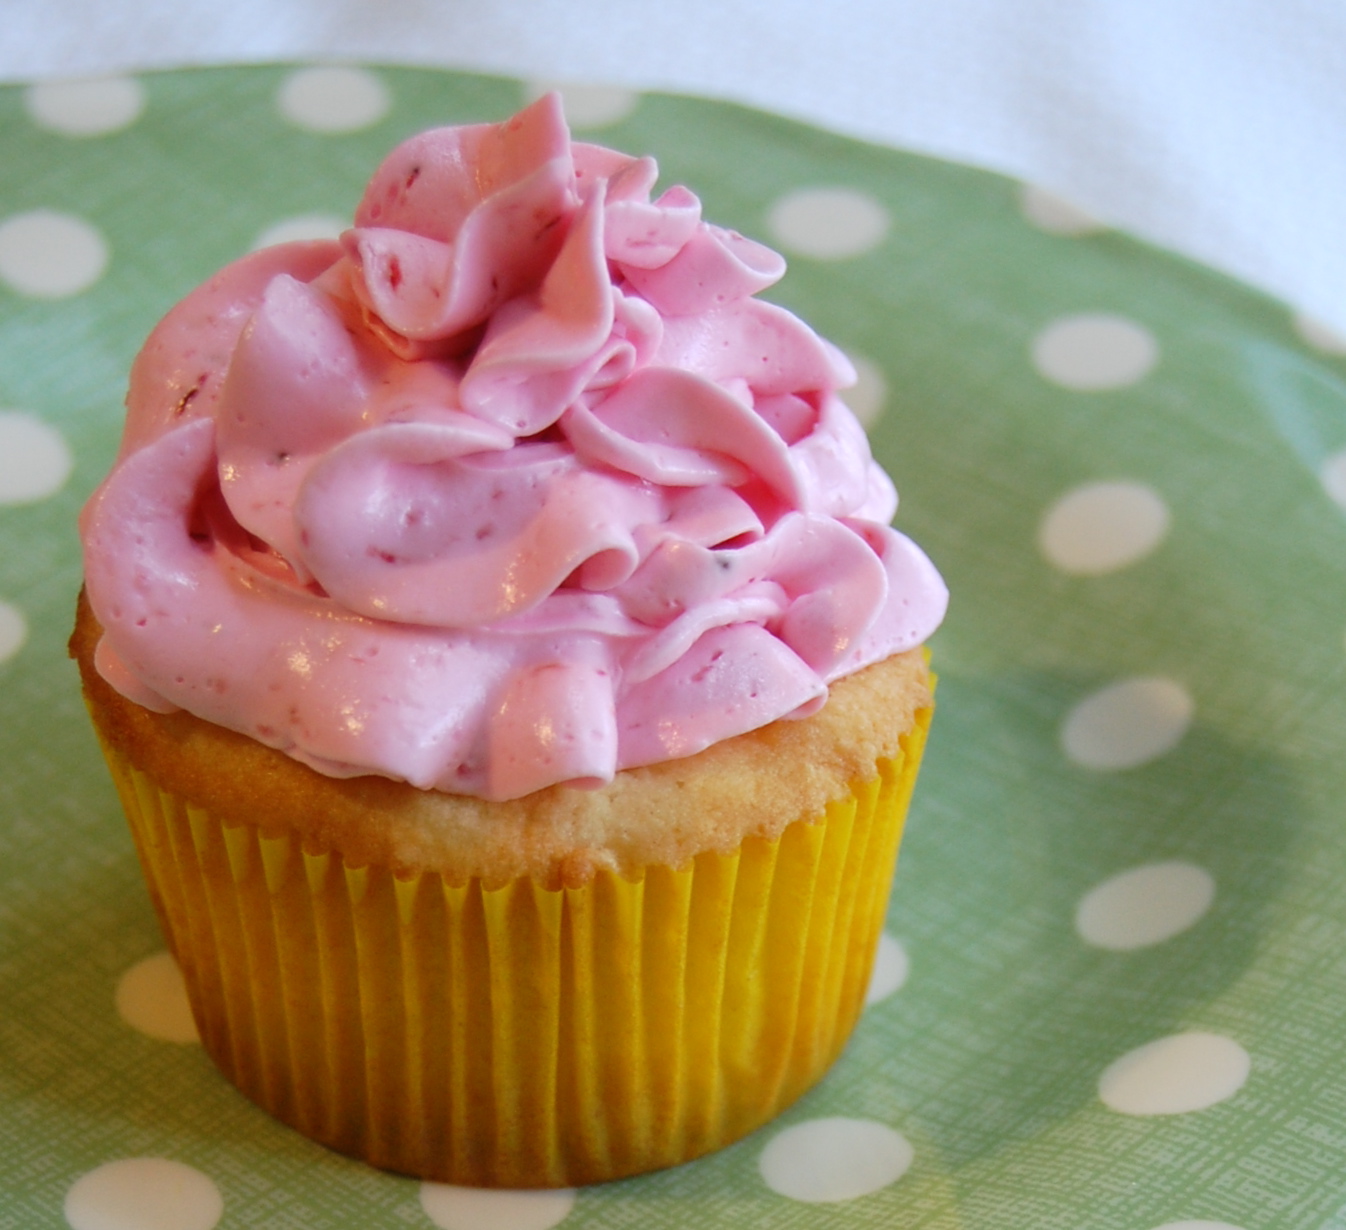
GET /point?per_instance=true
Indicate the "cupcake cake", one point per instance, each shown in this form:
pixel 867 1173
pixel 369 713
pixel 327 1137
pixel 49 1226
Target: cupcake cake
pixel 512 681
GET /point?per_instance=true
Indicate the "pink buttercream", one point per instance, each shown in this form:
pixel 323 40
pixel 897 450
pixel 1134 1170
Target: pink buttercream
pixel 516 484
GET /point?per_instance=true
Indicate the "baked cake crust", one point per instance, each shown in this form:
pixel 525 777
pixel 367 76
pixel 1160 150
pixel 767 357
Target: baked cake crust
pixel 662 814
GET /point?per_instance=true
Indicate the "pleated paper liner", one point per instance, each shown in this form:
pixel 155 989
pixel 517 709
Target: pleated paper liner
pixel 525 1036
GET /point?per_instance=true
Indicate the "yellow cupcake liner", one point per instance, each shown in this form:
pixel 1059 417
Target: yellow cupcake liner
pixel 524 1036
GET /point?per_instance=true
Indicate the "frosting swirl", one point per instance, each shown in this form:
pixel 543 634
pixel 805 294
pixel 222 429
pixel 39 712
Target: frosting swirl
pixel 515 484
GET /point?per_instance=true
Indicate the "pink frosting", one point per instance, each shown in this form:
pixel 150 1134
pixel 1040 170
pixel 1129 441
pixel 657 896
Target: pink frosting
pixel 516 484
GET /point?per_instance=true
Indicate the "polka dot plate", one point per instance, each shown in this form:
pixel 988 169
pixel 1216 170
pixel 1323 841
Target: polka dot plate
pixel 1114 980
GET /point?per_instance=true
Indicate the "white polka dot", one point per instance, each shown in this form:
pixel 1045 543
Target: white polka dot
pixel 333 99
pixel 1320 335
pixel 828 223
pixel 49 255
pixel 1101 527
pixel 480 1208
pixel 1093 351
pixel 152 998
pixel 1197 1225
pixel 13 631
pixel 1127 724
pixel 1049 212
pixel 867 396
pixel 587 106
pixel 823 1161
pixel 890 969
pixel 1144 906
pixel 303 226
pixel 34 459
pixel 1332 475
pixel 143 1193
pixel 85 108
pixel 1175 1075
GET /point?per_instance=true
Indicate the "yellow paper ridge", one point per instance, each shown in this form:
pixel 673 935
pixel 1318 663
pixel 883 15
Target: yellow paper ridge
pixel 525 1036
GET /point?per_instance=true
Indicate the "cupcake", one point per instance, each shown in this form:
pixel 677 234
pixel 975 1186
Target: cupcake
pixel 512 681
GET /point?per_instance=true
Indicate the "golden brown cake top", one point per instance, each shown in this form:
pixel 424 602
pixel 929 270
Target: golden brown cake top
pixel 663 814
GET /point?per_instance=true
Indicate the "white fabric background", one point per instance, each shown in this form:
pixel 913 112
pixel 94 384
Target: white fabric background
pixel 1217 129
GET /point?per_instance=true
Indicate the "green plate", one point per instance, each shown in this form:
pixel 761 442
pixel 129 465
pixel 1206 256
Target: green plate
pixel 1119 927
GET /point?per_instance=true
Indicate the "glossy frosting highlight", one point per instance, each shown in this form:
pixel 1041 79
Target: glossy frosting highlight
pixel 515 484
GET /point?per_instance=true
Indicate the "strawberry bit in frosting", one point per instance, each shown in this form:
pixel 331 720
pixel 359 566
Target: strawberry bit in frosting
pixel 516 484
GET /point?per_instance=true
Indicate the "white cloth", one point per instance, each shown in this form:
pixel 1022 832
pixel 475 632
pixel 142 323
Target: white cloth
pixel 1211 128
